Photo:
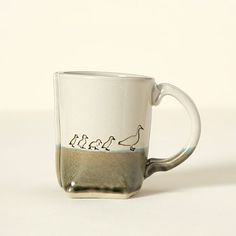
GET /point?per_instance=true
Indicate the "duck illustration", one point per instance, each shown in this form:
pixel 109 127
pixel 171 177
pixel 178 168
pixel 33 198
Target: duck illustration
pixel 73 140
pixel 107 144
pixel 83 141
pixel 132 140
pixel 94 145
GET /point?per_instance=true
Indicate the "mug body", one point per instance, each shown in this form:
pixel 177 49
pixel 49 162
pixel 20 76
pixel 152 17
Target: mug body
pixel 103 127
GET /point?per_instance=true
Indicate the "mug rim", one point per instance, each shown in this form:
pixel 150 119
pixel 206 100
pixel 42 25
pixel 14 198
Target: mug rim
pixel 104 74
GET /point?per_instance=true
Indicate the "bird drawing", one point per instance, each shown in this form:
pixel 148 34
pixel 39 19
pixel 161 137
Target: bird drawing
pixel 94 145
pixel 73 140
pixel 132 140
pixel 83 141
pixel 108 143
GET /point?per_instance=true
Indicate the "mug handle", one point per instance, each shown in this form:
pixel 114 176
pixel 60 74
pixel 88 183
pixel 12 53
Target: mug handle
pixel 155 164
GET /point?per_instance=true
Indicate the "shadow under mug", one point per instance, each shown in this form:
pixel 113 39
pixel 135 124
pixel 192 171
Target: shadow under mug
pixel 103 122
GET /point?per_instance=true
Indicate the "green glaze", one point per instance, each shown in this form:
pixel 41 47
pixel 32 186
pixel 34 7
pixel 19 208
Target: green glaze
pixel 81 171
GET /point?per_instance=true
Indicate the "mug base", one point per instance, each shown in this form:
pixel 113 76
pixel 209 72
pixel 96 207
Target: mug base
pixel 101 195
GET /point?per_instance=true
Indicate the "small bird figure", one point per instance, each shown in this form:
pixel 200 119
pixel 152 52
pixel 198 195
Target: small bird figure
pixel 83 141
pixel 132 140
pixel 94 145
pixel 108 143
pixel 73 140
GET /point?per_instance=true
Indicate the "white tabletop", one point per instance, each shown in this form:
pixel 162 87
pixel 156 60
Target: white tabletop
pixel 196 198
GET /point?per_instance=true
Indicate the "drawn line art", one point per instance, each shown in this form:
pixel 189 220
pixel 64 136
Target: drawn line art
pixel 108 143
pixel 73 140
pixel 132 140
pixel 83 141
pixel 95 144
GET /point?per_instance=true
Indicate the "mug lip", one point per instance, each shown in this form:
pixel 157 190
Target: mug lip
pixel 104 74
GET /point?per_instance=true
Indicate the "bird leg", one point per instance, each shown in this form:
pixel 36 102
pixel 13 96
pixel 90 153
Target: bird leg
pixel 132 148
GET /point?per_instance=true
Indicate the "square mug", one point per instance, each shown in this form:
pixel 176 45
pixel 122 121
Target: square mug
pixel 103 124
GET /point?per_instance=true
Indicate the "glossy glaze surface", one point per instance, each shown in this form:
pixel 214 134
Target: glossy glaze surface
pixel 91 172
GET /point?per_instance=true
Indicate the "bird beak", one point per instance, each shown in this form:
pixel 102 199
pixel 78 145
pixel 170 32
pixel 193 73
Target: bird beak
pixel 141 127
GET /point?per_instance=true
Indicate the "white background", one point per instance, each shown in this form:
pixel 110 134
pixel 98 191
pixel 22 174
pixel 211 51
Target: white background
pixel 187 43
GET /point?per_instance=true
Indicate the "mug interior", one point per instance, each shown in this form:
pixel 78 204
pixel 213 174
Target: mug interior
pixel 97 74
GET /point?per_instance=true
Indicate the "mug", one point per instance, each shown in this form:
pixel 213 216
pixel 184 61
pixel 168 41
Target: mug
pixel 103 124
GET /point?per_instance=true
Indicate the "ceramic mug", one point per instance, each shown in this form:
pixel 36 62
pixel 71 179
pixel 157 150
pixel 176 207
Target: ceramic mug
pixel 103 127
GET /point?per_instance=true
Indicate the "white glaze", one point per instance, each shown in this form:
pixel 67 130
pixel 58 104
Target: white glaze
pixel 105 105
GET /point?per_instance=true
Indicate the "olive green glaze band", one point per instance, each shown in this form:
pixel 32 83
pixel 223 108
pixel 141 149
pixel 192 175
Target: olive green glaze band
pixel 153 165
